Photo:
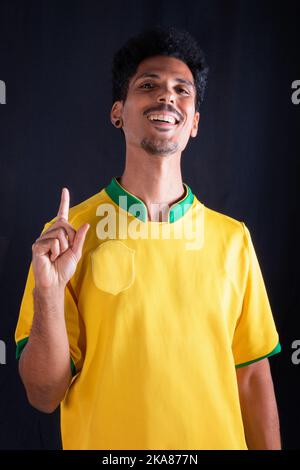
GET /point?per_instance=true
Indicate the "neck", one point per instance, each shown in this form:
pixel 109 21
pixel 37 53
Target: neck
pixel 155 180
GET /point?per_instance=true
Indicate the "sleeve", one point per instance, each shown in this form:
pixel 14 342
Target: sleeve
pixel 255 336
pixel 74 324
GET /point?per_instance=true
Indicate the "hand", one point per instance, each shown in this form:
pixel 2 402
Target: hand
pixel 56 252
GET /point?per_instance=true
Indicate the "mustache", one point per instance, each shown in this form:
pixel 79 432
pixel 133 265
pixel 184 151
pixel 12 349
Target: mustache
pixel 166 108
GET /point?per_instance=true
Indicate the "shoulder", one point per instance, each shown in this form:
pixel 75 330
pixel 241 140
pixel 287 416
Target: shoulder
pixel 223 226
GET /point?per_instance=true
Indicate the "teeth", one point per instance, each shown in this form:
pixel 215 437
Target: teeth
pixel 162 117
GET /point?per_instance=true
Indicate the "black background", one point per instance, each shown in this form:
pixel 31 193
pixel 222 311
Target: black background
pixel 55 131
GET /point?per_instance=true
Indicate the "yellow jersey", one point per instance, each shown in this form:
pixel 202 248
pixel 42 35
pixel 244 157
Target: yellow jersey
pixel 159 315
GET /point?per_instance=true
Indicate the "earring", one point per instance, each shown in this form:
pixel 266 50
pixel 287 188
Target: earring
pixel 117 123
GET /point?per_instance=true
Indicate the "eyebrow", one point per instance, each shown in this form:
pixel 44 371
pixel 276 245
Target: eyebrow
pixel 154 75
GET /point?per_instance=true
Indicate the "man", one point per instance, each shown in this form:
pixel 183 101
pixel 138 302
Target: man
pixel 145 314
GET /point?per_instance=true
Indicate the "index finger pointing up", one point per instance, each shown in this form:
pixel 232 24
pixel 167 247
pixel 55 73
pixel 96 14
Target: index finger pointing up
pixel 63 211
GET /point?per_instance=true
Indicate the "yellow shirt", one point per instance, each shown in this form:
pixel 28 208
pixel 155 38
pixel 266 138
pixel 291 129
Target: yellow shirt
pixel 159 315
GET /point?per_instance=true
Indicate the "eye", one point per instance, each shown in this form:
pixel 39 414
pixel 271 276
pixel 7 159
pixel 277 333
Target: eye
pixel 144 85
pixel 183 90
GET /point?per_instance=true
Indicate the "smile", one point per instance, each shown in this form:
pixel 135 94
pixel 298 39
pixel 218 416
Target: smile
pixel 163 121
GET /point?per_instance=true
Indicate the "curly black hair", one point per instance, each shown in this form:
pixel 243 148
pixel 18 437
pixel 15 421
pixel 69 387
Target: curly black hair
pixel 168 41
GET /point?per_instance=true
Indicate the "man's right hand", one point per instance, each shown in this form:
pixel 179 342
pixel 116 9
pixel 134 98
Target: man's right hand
pixel 56 252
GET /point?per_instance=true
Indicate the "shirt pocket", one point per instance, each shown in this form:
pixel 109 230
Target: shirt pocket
pixel 113 266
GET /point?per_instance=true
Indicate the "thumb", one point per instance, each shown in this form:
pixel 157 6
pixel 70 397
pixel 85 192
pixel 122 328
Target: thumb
pixel 79 240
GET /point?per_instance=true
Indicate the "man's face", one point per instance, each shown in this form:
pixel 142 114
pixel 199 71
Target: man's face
pixel 162 90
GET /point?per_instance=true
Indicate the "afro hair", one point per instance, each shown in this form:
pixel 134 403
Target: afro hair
pixel 168 41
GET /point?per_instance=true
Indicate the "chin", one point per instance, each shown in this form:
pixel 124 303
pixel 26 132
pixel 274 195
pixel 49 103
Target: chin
pixel 159 146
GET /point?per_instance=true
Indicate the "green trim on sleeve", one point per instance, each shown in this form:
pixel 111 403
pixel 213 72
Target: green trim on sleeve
pixel 276 350
pixel 73 368
pixel 21 345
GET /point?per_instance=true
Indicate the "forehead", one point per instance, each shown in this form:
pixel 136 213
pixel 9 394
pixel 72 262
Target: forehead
pixel 164 66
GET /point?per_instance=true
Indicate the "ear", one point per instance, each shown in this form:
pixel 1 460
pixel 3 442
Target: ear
pixel 116 111
pixel 196 120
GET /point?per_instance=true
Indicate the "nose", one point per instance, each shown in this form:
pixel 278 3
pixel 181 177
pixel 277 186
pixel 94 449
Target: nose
pixel 166 96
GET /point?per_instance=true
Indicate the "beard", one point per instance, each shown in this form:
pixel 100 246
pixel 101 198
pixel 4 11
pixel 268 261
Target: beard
pixel 159 146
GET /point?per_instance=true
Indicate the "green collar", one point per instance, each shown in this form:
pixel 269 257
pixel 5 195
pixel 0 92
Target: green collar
pixel 137 207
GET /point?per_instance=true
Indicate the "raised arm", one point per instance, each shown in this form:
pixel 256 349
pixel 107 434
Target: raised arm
pixel 44 364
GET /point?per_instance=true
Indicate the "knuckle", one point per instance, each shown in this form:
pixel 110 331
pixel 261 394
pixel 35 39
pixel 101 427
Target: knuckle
pixel 46 233
pixel 63 231
pixel 70 233
pixel 66 224
pixel 62 228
